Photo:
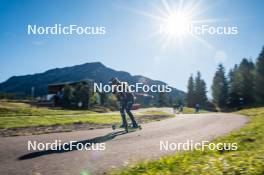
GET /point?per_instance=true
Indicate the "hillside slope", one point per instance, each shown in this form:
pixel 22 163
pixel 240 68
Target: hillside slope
pixel 96 71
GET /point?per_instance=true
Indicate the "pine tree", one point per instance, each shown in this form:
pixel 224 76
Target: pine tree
pixel 190 92
pixel 67 96
pixel 241 84
pixel 162 99
pixel 246 69
pixel 235 90
pixel 200 90
pixel 220 87
pixel 103 98
pixel 259 80
pixel 82 95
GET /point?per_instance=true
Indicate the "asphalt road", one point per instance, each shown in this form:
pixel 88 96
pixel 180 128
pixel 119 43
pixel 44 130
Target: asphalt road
pixel 120 149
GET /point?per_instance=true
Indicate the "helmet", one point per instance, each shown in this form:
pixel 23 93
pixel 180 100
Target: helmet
pixel 114 81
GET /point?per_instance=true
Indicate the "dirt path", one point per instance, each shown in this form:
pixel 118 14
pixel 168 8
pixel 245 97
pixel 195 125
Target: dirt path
pixel 121 149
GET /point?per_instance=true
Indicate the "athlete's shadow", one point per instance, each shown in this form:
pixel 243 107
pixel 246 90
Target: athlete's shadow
pixel 67 147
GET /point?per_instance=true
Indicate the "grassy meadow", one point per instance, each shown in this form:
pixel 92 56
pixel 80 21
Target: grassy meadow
pixel 248 159
pixel 17 115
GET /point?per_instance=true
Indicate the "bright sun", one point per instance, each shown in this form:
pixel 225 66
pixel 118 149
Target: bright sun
pixel 176 21
pixel 177 24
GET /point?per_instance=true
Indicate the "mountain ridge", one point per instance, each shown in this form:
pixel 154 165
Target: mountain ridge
pixel 96 71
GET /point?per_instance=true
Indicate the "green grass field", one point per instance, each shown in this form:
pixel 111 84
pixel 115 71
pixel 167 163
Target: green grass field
pixel 17 115
pixel 9 109
pixel 248 159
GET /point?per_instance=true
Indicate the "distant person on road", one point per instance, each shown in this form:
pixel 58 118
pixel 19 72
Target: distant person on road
pixel 175 109
pixel 197 108
pixel 181 108
pixel 126 101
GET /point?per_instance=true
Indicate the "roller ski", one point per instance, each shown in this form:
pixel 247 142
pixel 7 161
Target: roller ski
pixel 131 128
pixel 128 128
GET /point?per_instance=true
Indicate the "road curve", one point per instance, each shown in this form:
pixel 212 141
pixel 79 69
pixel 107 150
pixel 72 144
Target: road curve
pixel 121 149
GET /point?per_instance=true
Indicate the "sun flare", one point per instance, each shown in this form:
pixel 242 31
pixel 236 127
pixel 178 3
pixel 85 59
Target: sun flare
pixel 177 24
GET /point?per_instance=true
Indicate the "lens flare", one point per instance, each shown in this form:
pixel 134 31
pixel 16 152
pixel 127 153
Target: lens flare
pixel 178 24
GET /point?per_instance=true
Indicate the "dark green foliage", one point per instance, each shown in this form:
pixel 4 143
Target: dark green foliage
pixel 190 92
pixel 82 94
pixel 200 90
pixel 76 96
pixel 111 101
pixel 246 69
pixel 196 92
pixel 241 85
pixel 162 99
pixel 234 94
pixel 6 96
pixel 67 96
pixel 103 98
pixel 259 79
pixel 220 87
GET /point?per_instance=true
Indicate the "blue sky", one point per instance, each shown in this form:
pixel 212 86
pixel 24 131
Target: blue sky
pixel 128 44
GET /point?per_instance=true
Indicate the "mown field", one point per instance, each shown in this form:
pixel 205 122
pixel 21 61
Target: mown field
pixel 248 159
pixel 18 115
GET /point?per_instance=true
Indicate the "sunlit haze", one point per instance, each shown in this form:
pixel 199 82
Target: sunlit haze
pixel 133 41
